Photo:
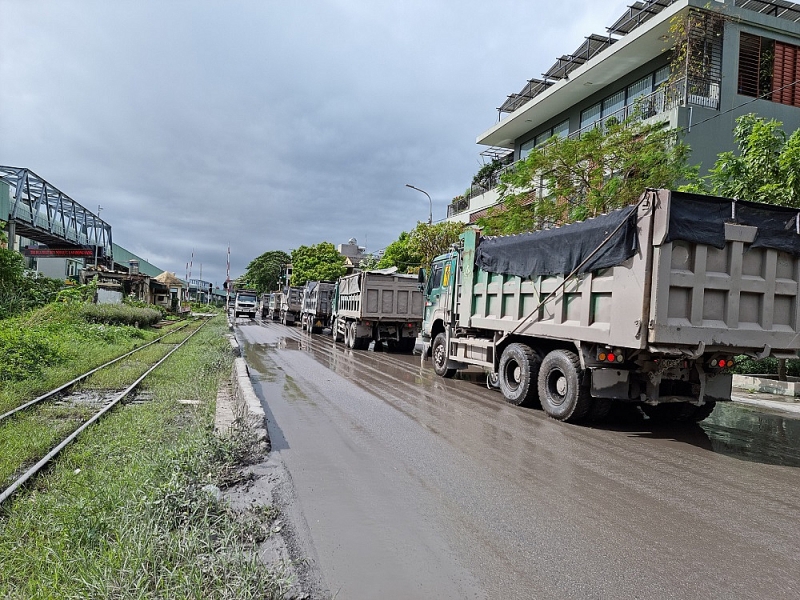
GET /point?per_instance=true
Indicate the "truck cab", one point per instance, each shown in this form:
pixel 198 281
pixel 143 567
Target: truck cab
pixel 246 304
pixel 439 297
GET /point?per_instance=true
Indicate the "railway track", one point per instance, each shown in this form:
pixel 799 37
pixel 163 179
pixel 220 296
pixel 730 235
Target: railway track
pixel 77 420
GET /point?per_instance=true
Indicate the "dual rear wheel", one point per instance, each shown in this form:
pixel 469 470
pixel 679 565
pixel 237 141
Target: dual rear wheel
pixel 555 381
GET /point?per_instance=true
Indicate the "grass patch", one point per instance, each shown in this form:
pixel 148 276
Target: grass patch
pixel 126 512
pixel 52 345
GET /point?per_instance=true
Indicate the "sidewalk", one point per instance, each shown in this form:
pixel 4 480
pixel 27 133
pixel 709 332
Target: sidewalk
pixel 772 401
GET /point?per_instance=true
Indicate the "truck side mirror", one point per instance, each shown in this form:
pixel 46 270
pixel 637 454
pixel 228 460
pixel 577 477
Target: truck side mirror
pixel 421 276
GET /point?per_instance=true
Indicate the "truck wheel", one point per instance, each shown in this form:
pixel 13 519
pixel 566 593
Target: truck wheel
pixel 519 367
pixel 335 332
pixel 352 339
pixel 560 390
pixel 439 356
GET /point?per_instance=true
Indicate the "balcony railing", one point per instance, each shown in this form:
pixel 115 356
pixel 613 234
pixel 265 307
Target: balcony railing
pixel 690 91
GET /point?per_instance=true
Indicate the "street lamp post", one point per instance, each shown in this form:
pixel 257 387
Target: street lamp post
pixel 430 213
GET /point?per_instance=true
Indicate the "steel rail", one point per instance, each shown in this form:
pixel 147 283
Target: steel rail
pixel 55 451
pixel 80 378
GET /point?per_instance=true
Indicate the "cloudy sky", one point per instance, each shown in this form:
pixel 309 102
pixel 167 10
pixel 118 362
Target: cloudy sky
pixel 266 124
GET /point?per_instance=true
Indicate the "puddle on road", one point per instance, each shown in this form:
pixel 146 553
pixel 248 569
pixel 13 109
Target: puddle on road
pixel 753 435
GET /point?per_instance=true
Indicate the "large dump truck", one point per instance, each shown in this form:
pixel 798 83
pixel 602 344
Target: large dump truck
pixel 381 306
pixel 291 304
pixel 649 304
pixel 264 305
pixel 316 312
pixel 274 307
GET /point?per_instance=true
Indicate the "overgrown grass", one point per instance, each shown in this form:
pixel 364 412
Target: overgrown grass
pixel 54 344
pixel 124 514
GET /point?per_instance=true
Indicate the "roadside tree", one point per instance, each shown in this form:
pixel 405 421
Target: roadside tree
pixel 571 179
pixel 321 262
pixel 400 254
pixel 263 273
pixel 765 169
pixel 428 241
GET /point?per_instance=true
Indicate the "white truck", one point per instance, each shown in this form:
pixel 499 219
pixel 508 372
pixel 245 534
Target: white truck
pixel 245 304
pixel 650 305
pixel 381 306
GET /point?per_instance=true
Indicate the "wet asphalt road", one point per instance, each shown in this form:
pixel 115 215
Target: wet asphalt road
pixel 405 485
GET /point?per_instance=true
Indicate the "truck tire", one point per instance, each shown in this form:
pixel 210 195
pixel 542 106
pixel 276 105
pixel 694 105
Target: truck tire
pixel 349 335
pixel 560 390
pixel 518 371
pixel 335 332
pixel 439 357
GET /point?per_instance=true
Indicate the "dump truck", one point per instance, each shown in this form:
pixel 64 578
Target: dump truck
pixel 316 312
pixel 274 308
pixel 382 306
pixel 245 304
pixel 291 304
pixel 650 304
pixel 264 305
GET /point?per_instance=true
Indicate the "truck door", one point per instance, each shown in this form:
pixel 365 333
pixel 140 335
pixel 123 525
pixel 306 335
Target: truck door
pixel 433 291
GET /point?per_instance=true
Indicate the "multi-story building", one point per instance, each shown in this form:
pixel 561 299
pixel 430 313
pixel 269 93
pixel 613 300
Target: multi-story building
pixel 730 58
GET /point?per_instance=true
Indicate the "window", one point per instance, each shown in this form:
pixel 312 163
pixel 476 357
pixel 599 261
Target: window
pixel 613 105
pixel 526 147
pixel 562 129
pixel 591 115
pixel 640 88
pixel 543 137
pixel 769 69
pixel 660 76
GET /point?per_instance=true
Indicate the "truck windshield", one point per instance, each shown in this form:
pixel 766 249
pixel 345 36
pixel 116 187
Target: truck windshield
pixel 247 298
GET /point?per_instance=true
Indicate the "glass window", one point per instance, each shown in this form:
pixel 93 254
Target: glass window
pixel 660 76
pixel 590 115
pixel 435 281
pixel 526 147
pixel 562 129
pixel 613 104
pixel 639 89
pixel 543 137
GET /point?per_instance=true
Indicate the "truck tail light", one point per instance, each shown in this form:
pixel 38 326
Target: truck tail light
pixel 722 362
pixel 610 356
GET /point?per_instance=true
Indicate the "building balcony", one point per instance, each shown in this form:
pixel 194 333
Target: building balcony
pixel 651 107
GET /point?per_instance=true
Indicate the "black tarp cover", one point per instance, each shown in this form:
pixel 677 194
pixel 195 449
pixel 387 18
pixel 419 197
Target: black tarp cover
pixel 701 219
pixel 561 250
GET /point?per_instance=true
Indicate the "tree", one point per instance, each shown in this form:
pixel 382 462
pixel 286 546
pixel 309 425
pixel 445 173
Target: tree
pixel 321 262
pixel 428 241
pixel 399 254
pixel 264 272
pixel 766 168
pixel 571 179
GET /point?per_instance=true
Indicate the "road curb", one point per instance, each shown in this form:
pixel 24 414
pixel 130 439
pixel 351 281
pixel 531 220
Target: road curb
pixel 243 407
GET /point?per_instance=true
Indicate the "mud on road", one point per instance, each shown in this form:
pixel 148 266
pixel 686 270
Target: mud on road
pixel 400 484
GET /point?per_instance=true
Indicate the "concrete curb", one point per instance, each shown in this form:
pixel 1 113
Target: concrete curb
pixel 766 385
pixel 243 405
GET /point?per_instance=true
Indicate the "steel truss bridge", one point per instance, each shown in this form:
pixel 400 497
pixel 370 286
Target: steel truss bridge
pixel 41 212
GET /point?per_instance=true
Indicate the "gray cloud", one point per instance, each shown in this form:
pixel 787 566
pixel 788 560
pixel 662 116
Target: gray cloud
pixel 266 124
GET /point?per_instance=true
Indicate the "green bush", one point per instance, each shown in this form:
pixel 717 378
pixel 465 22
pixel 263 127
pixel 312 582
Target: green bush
pixel 119 314
pixel 25 352
pixel 766 366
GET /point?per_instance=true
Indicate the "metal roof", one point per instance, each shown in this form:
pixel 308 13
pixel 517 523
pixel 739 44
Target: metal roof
pixel 775 8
